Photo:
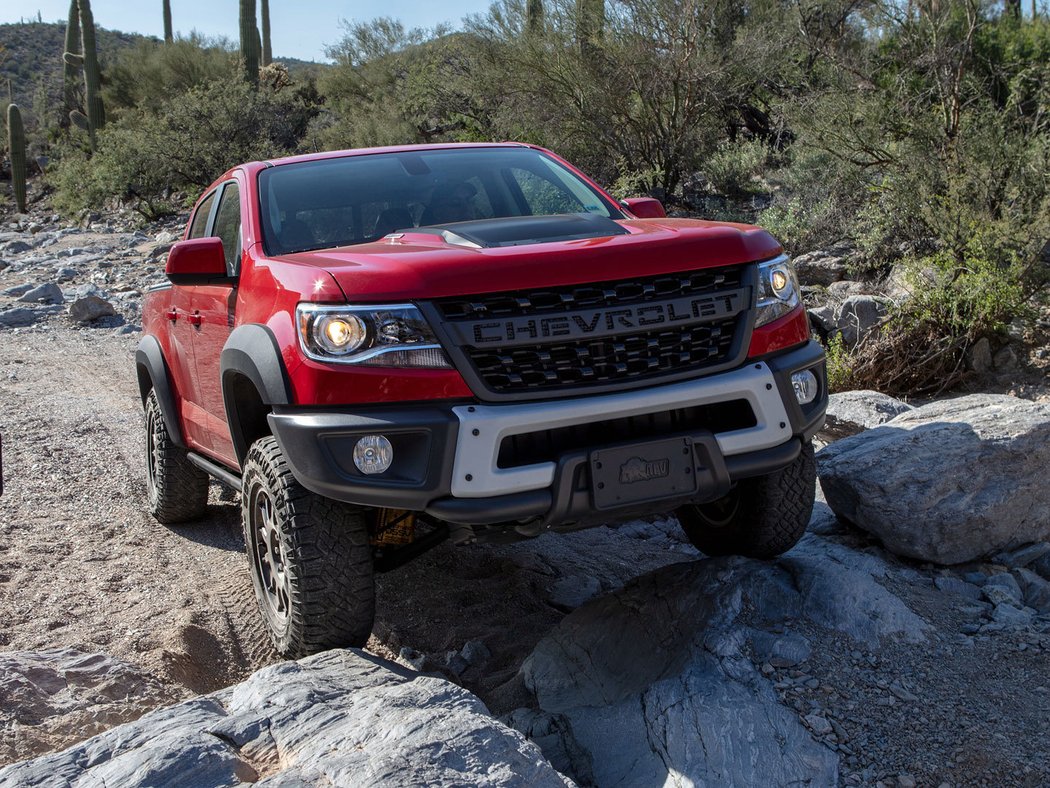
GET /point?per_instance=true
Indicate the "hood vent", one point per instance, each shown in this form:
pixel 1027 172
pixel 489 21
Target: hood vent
pixel 522 230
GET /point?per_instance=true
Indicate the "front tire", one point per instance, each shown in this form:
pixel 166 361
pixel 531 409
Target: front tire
pixel 310 557
pixel 177 489
pixel 759 518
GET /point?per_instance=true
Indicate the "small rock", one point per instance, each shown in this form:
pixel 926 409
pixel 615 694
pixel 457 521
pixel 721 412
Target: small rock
pixel 568 593
pixel 412 658
pixel 165 237
pixel 455 663
pixel 65 274
pixel 905 781
pixel 48 293
pixel 817 723
pixel 89 308
pixel 17 290
pixel 17 247
pixel 781 651
pixel 1036 589
pixel 18 317
pixel 1002 589
pixel 476 653
pixel 953 585
pixel 1011 617
pixel 980 356
pixel 858 316
pixel 1024 556
pixel 1006 359
pixel 902 693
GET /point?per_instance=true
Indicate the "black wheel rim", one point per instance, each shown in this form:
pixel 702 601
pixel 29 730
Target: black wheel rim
pixel 268 557
pixel 151 454
pixel 720 513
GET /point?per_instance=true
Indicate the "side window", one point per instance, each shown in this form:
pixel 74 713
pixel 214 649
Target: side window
pixel 544 196
pixel 228 227
pixel 200 219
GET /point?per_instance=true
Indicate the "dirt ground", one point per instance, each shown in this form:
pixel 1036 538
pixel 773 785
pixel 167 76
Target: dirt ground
pixel 83 564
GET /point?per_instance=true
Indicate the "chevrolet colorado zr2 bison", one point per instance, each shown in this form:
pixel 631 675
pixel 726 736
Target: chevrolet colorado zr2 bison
pixel 384 348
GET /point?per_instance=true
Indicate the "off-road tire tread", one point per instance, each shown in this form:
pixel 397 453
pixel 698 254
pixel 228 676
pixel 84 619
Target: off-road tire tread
pixel 180 489
pixel 330 559
pixel 773 515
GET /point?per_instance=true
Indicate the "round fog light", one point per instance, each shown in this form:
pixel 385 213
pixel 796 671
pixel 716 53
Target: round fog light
pixel 373 454
pixel 805 385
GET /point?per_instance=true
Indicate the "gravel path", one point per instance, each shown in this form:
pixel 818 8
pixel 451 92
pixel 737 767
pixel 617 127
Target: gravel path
pixel 81 561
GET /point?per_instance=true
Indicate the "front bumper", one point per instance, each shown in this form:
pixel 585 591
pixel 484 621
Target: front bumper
pixel 448 461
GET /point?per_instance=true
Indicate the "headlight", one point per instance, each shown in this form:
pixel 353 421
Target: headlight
pixel 778 290
pixel 379 336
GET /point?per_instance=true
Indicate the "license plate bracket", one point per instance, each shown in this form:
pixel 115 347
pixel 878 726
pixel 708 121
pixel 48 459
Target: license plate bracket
pixel 641 472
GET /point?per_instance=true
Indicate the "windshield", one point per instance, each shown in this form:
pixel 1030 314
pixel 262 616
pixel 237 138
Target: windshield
pixel 357 199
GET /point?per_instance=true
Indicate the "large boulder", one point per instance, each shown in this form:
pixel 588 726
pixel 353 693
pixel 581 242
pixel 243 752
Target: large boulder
pixel 858 315
pixel 656 682
pixel 850 412
pixel 337 718
pixel 948 482
pixel 823 266
pixel 90 308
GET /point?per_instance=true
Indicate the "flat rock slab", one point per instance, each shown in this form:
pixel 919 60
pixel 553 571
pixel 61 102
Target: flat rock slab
pixel 337 718
pixel 949 482
pixel 655 684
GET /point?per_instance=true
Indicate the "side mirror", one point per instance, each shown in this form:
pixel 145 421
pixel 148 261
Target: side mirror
pixel 645 207
pixel 199 261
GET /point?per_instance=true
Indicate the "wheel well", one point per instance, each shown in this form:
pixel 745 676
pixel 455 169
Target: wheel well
pixel 145 381
pixel 246 412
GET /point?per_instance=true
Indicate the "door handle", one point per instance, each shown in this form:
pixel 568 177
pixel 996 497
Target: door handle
pixel 172 314
pixel 195 319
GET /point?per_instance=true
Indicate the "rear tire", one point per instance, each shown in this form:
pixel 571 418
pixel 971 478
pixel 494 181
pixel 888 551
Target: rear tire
pixel 310 557
pixel 177 489
pixel 759 518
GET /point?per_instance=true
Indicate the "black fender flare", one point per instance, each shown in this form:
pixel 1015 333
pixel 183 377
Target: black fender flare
pixel 252 352
pixel 152 371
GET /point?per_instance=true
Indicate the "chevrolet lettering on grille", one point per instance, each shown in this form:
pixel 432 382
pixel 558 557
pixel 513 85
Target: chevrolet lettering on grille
pixel 598 323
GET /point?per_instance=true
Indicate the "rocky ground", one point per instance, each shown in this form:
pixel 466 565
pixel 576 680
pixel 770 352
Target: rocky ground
pixel 619 651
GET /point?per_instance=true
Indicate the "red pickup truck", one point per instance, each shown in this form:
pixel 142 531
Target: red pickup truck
pixel 384 348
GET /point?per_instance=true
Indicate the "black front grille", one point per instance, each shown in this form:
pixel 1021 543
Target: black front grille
pixel 629 353
pixel 604 361
pixel 548 445
pixel 526 303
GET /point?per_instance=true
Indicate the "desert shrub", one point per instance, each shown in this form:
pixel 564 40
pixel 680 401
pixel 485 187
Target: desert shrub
pixel 148 75
pixel 145 158
pixel 734 167
pixel 921 348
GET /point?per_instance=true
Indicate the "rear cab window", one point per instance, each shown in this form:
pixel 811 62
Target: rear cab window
pixel 199 226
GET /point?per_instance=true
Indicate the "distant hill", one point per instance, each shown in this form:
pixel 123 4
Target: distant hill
pixel 31 60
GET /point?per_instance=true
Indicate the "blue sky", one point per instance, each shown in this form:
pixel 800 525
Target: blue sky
pixel 299 28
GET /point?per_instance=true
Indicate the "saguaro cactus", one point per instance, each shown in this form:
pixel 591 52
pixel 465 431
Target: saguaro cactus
pixel 95 117
pixel 169 36
pixel 250 41
pixel 590 22
pixel 16 138
pixel 71 71
pixel 534 17
pixel 267 51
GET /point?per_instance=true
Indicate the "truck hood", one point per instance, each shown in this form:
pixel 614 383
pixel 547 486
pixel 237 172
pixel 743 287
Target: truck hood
pixel 437 262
